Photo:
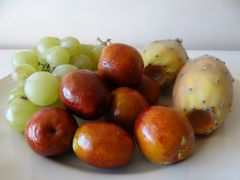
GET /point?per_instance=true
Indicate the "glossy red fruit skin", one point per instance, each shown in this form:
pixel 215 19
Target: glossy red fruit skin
pixel 120 65
pixel 103 144
pixel 126 104
pixel 84 93
pixel 164 135
pixel 150 89
pixel 49 132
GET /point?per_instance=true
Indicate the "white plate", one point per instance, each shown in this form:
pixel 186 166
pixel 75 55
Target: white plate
pixel 214 157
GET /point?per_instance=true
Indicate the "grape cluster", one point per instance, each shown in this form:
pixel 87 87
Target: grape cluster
pixel 38 71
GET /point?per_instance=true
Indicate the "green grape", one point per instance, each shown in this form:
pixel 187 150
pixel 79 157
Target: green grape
pixel 41 88
pixel 25 57
pixel 57 55
pixel 96 52
pixel 61 70
pixel 18 113
pixel 82 62
pixel 72 45
pixel 34 51
pixel 86 49
pixel 18 92
pixel 42 64
pixel 22 72
pixel 45 43
pixel 42 61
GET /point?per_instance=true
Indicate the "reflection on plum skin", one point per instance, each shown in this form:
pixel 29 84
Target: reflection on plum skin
pixel 33 133
pixel 67 94
pixel 147 134
pixel 84 143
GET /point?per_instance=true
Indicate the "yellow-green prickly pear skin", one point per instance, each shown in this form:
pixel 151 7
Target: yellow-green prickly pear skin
pixel 170 55
pixel 205 85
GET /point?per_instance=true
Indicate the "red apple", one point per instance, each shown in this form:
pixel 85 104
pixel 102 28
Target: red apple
pixel 103 144
pixel 120 65
pixel 84 93
pixel 164 135
pixel 49 132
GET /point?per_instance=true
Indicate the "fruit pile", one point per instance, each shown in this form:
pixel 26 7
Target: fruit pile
pixel 114 89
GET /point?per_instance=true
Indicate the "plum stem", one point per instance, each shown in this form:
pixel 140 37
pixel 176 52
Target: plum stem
pixel 180 41
pixel 104 43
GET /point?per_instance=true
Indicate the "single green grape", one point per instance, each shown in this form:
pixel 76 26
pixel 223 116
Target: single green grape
pixel 34 51
pixel 86 49
pixel 18 92
pixel 42 61
pixel 57 55
pixel 22 72
pixel 45 43
pixel 41 88
pixel 18 113
pixel 72 45
pixel 25 57
pixel 96 53
pixel 42 64
pixel 61 70
pixel 82 62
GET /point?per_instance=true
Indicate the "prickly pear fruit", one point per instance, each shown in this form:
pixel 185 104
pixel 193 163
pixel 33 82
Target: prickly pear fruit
pixel 204 91
pixel 163 60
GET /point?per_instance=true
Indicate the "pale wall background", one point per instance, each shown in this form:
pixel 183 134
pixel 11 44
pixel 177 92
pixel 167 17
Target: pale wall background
pixel 202 24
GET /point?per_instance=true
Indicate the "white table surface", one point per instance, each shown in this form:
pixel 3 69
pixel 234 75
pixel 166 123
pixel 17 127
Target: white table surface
pixel 227 56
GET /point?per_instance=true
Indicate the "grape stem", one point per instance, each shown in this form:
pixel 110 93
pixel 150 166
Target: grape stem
pixel 104 43
pixel 24 97
pixel 46 67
